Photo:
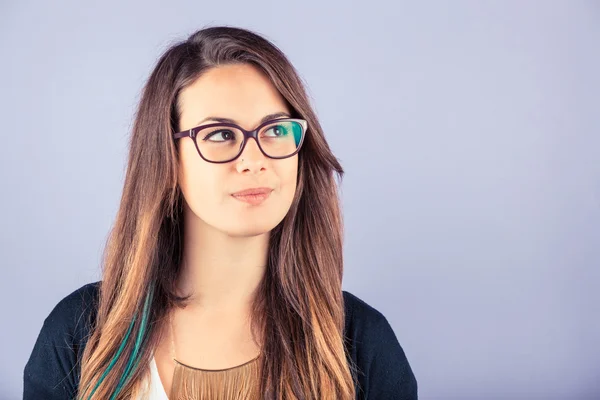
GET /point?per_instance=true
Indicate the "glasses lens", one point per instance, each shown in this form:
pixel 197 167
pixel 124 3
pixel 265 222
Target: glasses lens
pixel 280 138
pixel 219 143
pixel 223 143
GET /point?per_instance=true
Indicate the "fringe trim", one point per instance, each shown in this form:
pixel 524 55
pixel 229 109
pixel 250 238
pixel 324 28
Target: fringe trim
pixel 237 383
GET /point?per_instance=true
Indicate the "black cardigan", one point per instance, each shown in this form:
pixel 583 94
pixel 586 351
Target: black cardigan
pixel 52 371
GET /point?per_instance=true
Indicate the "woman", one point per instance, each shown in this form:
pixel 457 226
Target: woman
pixel 222 275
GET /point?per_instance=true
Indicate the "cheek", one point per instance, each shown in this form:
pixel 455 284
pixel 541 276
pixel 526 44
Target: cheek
pixel 288 175
pixel 197 179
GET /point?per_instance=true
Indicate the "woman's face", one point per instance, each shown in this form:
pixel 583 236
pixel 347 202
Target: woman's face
pixel 241 93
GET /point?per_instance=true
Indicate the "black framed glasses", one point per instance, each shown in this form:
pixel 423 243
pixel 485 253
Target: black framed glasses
pixel 224 142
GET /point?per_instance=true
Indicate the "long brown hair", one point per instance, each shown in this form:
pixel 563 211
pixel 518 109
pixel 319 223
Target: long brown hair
pixel 299 301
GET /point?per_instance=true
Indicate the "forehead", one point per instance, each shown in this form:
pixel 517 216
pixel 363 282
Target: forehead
pixel 240 92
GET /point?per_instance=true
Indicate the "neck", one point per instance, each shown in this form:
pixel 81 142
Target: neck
pixel 221 272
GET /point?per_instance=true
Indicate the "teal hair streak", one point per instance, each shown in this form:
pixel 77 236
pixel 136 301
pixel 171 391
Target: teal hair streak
pixel 136 348
pixel 122 347
pixel 116 356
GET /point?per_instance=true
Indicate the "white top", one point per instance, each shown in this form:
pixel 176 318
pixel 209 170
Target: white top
pixel 154 388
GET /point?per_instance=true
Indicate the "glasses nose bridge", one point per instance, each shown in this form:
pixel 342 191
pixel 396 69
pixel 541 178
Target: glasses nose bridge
pixel 250 134
pixel 253 134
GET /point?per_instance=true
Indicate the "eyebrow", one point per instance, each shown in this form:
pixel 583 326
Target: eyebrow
pixel 232 121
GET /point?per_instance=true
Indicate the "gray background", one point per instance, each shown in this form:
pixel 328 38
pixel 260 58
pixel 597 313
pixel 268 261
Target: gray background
pixel 469 132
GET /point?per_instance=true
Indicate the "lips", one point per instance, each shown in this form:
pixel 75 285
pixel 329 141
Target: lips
pixel 253 192
pixel 254 196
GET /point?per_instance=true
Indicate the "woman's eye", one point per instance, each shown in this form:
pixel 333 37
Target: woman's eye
pixel 220 136
pixel 275 131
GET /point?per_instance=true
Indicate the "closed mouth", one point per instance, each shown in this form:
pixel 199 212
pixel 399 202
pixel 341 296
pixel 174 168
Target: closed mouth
pixel 253 192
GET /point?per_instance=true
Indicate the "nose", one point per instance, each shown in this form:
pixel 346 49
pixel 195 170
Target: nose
pixel 252 160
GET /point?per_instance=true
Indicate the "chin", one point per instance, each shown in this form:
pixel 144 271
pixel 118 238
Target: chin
pixel 248 231
pixel 251 225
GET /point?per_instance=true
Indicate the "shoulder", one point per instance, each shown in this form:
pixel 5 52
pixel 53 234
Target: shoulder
pixel 74 310
pixel 358 312
pixel 52 369
pixel 382 368
pixel 368 329
pixel 73 316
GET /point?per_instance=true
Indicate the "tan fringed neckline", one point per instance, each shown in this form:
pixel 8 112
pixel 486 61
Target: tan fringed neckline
pixel 236 383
